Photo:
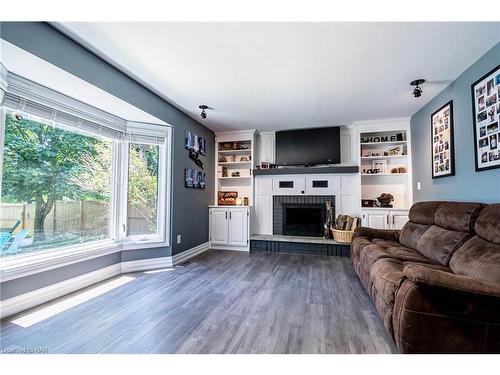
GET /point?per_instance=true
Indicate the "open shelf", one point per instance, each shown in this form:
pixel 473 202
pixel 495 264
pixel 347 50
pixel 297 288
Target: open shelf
pixel 234 178
pixel 383 174
pixel 383 157
pixel 383 143
pixel 385 208
pixel 235 162
pixel 238 151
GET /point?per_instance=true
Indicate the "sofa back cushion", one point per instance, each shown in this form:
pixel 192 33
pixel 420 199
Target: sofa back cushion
pixel 458 216
pixel 438 229
pixel 421 218
pixel 488 223
pixel 411 233
pixel 479 259
pixel 424 212
pixel 480 256
pixel 439 244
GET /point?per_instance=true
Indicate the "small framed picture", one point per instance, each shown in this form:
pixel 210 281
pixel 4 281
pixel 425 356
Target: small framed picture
pixel 194 179
pixel 227 198
pixel 264 165
pixel 379 166
pixel 486 119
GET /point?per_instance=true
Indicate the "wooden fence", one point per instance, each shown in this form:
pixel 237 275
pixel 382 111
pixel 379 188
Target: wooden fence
pixel 74 217
pixel 70 217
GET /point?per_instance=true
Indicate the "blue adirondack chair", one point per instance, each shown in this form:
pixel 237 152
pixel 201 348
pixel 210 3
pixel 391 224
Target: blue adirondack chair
pixel 12 246
pixel 10 243
pixel 7 235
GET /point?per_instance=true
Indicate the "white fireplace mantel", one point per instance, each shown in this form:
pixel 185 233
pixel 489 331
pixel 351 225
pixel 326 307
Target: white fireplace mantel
pixel 342 186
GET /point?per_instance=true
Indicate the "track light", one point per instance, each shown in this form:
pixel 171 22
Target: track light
pixel 203 112
pixel 417 91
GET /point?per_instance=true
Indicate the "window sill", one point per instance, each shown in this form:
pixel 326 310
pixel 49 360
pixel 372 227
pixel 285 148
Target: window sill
pixel 144 244
pixel 28 264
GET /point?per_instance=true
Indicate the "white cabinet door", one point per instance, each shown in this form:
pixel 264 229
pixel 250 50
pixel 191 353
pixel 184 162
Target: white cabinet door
pixel 398 219
pixel 377 220
pixel 238 227
pixel 219 228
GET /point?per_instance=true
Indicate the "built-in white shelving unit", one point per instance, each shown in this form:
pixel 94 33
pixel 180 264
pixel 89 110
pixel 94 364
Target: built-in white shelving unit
pixel 384 143
pixel 235 161
pixel 384 165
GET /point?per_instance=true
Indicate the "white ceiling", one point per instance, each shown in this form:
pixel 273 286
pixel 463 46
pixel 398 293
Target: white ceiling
pixel 289 75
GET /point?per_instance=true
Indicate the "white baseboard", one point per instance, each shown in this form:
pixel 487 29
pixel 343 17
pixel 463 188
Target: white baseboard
pixel 36 297
pixel 185 255
pixel 146 264
pixel 231 248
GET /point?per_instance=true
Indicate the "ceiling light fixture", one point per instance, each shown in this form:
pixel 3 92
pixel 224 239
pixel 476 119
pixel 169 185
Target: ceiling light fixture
pixel 203 112
pixel 417 91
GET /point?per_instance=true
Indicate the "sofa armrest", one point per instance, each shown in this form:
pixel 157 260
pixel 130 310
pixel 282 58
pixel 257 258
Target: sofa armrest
pixel 384 234
pixel 439 312
pixel 428 277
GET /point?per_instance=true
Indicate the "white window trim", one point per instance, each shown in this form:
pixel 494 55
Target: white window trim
pixel 28 264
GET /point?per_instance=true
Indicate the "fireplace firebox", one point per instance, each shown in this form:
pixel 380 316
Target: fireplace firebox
pixel 300 215
pixel 303 219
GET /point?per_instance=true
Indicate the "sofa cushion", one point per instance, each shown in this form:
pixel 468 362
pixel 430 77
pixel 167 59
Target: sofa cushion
pixel 423 212
pixel 458 216
pixel 479 259
pixel 359 244
pixel 386 276
pixel 439 244
pixel 488 223
pixel 372 253
pixel 411 233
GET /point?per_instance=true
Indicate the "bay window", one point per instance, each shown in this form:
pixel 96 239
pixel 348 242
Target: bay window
pixel 69 180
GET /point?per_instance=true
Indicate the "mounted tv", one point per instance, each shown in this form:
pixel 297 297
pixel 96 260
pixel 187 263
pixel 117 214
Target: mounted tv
pixel 308 146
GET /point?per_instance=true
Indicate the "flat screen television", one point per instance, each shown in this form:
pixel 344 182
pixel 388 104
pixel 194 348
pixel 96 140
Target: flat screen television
pixel 308 146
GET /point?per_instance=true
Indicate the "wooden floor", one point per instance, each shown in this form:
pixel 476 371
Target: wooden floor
pixel 220 302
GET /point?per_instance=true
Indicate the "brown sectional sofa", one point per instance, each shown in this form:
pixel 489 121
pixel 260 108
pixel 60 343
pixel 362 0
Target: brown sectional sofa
pixel 436 283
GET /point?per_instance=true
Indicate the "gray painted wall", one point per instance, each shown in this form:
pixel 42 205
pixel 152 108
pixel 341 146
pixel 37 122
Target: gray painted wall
pixel 189 206
pixel 467 184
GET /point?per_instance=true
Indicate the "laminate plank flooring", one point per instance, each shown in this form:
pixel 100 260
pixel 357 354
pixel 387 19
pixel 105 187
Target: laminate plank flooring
pixel 219 302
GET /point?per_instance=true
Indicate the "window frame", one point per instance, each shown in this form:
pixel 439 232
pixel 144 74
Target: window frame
pixel 163 205
pixel 39 261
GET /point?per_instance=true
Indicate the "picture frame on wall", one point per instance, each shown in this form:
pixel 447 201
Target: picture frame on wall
pixel 194 179
pixel 442 142
pixel 485 93
pixel 195 143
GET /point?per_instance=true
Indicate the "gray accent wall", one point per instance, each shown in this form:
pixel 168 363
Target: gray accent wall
pixel 467 184
pixel 189 216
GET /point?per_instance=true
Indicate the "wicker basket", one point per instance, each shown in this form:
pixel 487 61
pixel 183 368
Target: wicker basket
pixel 344 236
